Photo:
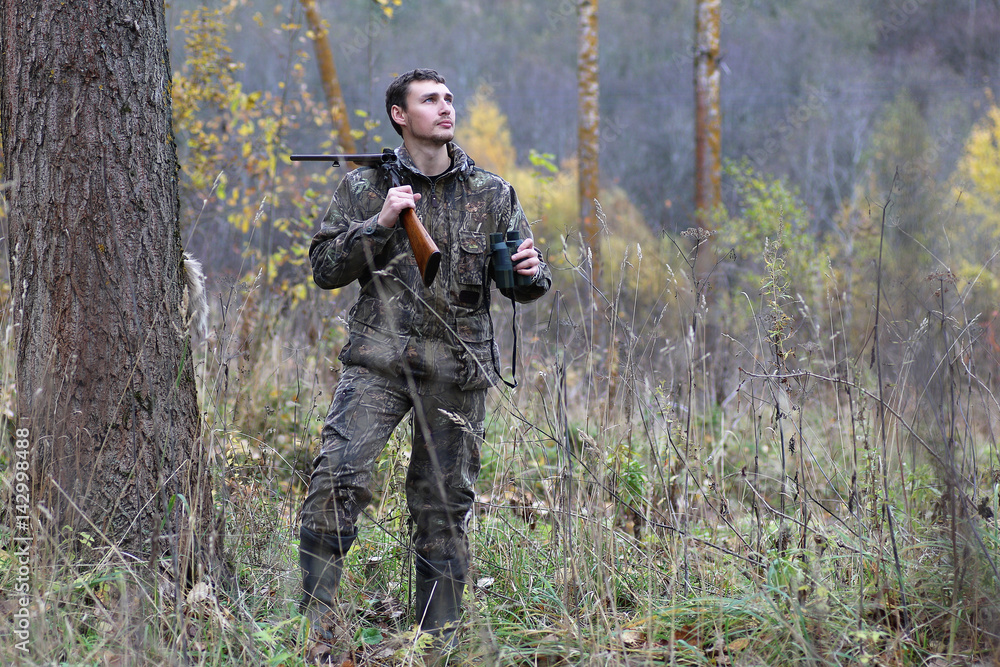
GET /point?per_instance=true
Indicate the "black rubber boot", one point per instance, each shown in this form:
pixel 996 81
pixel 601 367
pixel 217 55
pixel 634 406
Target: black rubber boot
pixel 439 589
pixel 321 558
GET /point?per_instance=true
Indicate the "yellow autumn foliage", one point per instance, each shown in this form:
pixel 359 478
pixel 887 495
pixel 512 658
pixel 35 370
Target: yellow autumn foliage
pixel 485 134
pixel 635 258
pixel 978 183
pixel 234 162
pixel 976 188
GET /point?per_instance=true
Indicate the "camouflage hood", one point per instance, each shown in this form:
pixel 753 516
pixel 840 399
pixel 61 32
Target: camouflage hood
pixel 461 163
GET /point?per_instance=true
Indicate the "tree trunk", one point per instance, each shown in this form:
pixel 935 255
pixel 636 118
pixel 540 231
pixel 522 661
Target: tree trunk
pixel 589 135
pixel 328 75
pixel 708 184
pixel 708 126
pixel 105 380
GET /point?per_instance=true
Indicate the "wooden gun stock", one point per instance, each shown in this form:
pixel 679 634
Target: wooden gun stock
pixel 425 251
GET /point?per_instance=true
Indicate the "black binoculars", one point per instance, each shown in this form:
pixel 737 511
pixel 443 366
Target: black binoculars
pixel 501 250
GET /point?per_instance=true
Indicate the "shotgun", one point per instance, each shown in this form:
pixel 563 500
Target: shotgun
pixel 425 251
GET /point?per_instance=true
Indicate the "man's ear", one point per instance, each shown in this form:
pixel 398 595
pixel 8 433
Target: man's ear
pixel 398 115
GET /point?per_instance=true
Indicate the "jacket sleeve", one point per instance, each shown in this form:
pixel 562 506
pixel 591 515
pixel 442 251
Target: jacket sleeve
pixel 543 279
pixel 350 238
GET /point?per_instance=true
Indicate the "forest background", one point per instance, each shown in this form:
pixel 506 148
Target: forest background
pixel 793 462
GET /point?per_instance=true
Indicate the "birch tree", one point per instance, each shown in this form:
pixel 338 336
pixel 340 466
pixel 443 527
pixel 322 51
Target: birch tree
pixel 588 133
pixel 708 127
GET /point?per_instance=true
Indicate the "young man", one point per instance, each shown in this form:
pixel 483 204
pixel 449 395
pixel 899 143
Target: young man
pixel 411 347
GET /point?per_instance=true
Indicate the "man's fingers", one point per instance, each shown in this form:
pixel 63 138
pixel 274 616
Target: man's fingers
pixel 402 197
pixel 396 201
pixel 526 258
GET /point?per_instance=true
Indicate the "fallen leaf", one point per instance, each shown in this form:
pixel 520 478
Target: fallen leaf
pixel 633 639
pixel 738 644
pixel 687 633
pixel 200 592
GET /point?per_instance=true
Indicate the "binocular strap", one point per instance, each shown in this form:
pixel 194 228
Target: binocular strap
pixel 513 362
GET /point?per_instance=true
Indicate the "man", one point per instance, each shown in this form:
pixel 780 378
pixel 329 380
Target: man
pixel 429 349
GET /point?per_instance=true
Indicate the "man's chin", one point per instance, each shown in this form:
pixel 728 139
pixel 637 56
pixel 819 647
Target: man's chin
pixel 439 138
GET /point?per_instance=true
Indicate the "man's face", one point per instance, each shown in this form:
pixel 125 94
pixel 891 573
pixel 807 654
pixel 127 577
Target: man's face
pixel 429 114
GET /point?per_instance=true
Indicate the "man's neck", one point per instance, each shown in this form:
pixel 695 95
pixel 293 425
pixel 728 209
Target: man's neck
pixel 431 160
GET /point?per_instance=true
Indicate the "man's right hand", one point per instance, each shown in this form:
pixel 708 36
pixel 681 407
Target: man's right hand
pixel 396 200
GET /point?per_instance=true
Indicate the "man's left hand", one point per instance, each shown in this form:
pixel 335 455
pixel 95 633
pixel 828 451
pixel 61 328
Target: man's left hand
pixel 526 260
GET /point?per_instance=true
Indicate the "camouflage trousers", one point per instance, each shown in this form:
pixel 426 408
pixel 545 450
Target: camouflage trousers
pixel 448 427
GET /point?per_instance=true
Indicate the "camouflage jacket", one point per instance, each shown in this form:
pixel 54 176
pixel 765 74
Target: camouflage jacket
pixel 441 333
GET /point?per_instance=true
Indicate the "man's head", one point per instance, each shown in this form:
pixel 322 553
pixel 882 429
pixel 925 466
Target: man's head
pixel 398 92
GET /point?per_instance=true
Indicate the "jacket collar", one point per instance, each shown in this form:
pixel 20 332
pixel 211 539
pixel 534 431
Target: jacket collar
pixel 460 162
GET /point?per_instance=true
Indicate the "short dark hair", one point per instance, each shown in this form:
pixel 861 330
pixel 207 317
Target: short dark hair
pixel 395 94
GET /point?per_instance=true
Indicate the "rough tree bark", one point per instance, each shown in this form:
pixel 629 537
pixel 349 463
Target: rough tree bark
pixel 588 133
pixel 105 380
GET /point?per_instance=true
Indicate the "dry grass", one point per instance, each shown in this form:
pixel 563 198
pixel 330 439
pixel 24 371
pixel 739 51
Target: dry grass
pixel 816 515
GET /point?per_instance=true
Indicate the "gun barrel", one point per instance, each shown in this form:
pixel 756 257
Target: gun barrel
pixel 364 159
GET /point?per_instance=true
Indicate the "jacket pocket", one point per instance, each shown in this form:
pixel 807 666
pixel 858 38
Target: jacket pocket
pixel 374 351
pixel 477 365
pixel 469 270
pixel 475 351
pixel 471 258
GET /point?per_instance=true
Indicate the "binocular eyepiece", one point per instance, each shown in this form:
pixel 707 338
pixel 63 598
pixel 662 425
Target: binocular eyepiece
pixel 501 250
